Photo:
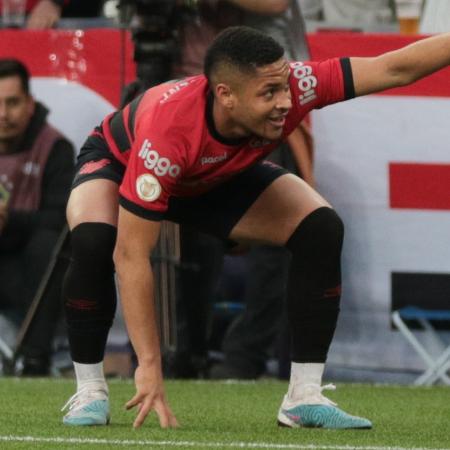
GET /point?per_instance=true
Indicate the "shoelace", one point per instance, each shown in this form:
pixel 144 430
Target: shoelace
pixel 327 387
pixel 313 393
pixel 84 393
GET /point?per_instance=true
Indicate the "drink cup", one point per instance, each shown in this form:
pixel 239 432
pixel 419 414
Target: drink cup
pixel 408 15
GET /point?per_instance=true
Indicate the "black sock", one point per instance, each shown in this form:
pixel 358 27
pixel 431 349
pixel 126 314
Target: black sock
pixel 314 284
pixel 89 291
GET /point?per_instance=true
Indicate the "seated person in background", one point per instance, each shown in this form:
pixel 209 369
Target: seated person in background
pixel 36 167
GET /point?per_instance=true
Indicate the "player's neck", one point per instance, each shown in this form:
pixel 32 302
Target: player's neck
pixel 225 125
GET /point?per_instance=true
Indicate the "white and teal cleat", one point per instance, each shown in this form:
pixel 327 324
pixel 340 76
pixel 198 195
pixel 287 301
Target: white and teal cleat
pixel 320 416
pixel 323 414
pixel 87 407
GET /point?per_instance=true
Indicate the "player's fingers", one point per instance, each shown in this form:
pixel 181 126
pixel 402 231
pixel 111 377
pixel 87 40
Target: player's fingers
pixel 173 422
pixel 163 419
pixel 166 417
pixel 143 412
pixel 133 402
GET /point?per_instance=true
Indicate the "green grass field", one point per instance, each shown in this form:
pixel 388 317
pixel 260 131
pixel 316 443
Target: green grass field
pixel 224 416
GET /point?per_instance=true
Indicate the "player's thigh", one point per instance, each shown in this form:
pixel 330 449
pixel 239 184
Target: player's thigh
pixel 218 210
pixel 277 211
pixel 95 200
pixel 94 196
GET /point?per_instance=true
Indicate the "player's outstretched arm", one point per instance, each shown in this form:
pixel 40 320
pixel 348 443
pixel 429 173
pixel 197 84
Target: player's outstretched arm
pixel 401 67
pixel 136 238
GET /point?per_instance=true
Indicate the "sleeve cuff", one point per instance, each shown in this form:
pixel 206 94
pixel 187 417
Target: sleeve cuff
pixel 140 211
pixel 349 87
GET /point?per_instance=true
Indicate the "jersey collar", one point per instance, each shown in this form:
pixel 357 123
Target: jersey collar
pixel 212 127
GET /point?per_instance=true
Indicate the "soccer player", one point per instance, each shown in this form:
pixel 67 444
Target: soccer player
pixel 192 152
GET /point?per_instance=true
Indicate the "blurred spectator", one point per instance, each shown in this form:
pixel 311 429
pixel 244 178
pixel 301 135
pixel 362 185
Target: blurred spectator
pixel 196 35
pixel 36 169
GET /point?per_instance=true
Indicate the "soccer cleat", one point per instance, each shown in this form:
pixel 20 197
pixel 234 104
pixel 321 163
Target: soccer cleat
pixel 318 411
pixel 87 407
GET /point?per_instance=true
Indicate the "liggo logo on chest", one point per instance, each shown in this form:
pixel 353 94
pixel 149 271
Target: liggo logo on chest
pixel 153 161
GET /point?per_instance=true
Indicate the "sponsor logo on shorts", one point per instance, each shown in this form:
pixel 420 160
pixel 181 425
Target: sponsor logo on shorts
pixel 93 166
pixel 306 82
pixel 153 161
pixel 214 159
pixel 148 187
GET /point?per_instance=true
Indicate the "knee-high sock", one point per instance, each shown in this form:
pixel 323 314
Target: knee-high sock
pixel 89 291
pixel 314 284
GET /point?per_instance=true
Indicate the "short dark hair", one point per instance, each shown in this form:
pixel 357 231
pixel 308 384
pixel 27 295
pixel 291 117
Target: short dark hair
pixel 242 47
pixel 10 67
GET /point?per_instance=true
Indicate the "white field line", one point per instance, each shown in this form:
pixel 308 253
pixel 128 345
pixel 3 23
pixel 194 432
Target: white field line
pixel 194 444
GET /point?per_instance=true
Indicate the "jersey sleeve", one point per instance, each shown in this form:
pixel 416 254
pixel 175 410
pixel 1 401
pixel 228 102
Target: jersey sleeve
pixel 318 84
pixel 155 165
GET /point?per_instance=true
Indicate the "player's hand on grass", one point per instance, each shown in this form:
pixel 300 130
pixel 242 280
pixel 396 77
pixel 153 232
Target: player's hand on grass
pixel 150 396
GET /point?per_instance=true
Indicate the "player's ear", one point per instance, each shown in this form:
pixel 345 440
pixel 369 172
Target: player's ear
pixel 224 95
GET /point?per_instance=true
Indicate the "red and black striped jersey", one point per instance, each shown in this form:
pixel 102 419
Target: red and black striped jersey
pixel 167 140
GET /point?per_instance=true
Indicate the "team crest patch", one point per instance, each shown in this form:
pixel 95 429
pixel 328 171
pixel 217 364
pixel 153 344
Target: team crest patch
pixel 148 188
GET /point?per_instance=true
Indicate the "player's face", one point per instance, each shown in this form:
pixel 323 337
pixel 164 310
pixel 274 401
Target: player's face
pixel 16 108
pixel 263 101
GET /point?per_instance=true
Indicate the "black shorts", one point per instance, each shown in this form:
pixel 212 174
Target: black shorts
pixel 96 161
pixel 215 212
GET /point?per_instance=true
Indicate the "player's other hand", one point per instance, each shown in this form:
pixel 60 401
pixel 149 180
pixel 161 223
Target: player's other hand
pixel 150 396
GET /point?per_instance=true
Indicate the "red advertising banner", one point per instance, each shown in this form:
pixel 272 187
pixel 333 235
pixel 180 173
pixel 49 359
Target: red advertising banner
pixel 419 186
pixel 77 74
pixel 99 59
